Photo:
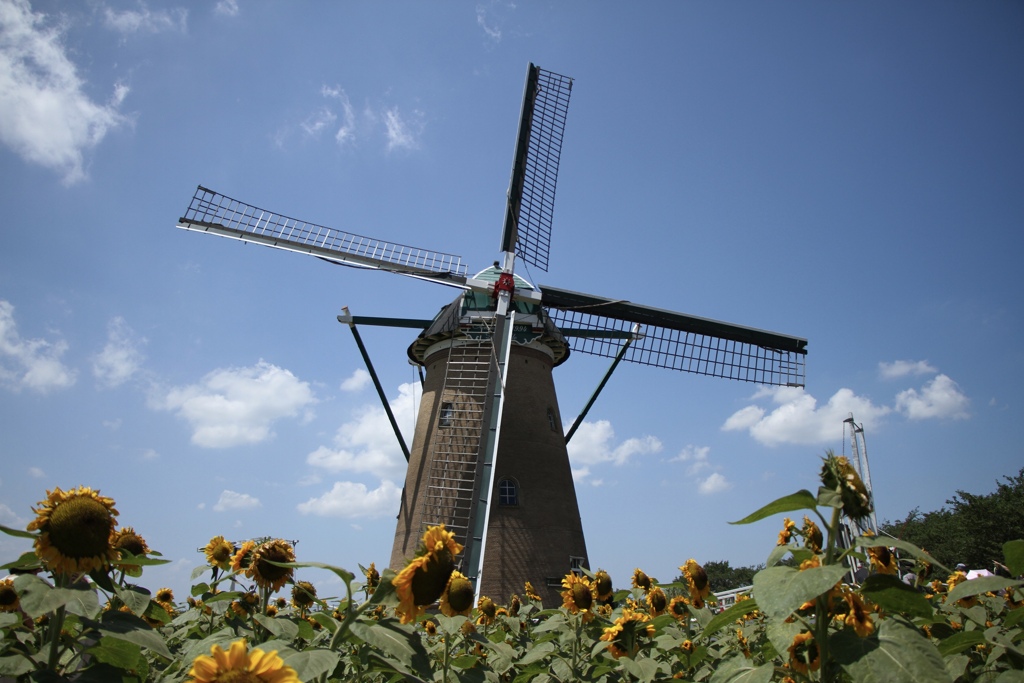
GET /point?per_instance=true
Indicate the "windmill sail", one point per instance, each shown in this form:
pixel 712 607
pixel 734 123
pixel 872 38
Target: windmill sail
pixel 531 192
pixel 596 325
pixel 214 213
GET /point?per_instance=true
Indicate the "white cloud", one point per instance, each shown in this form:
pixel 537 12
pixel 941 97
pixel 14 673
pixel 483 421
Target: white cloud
pixel 715 483
pixel 150 454
pixel 592 444
pixel 352 499
pixel 902 368
pixel 939 398
pixel 9 519
pixel 402 132
pixel 235 406
pixel 144 20
pixel 229 500
pixel 36 472
pixel 368 444
pixel 493 32
pixel 120 359
pixel 45 115
pixel 359 379
pixel 30 363
pixel 317 121
pixel 227 8
pixel 797 418
pixel 346 131
pixel 697 461
pixel 697 457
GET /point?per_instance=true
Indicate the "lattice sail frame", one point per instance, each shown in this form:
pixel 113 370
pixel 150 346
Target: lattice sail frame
pixel 215 213
pixel 535 166
pixel 676 341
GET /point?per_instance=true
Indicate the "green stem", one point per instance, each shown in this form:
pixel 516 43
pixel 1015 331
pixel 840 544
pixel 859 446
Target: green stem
pixel 822 612
pixel 56 626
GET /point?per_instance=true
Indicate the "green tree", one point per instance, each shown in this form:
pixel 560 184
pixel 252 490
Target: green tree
pixel 972 528
pixel 722 577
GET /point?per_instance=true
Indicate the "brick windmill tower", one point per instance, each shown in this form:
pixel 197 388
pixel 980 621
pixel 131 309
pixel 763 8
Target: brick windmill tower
pixel 489 457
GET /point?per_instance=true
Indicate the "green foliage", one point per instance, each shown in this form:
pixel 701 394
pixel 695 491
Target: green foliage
pixel 801 623
pixel 971 529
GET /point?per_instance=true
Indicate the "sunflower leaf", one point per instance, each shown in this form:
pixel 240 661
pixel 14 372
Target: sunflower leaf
pixel 982 584
pixel 14 666
pixel 892 594
pixel 739 670
pixel 282 628
pixel 801 500
pixel 725 617
pixel 898 652
pixel 399 644
pixel 889 542
pixel 17 532
pixel 39 598
pixel 136 597
pixel 1013 553
pixel 310 664
pixel 129 627
pixel 26 561
pixel 780 591
pixel 958 642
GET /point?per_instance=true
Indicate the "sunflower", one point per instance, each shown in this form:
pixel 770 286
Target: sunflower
pixel 641 580
pixel 430 626
pixel 265 574
pixel 303 595
pixel 75 531
pixel 457 597
pixel 656 601
pixel 530 593
pixel 882 560
pixel 858 617
pixel 603 585
pixel 487 610
pixel 812 535
pixel 803 653
pixel 126 539
pixel 372 578
pixel 514 605
pixel 425 577
pixel 241 665
pixel 678 609
pixel 624 636
pixel 242 559
pixel 9 601
pixel 839 475
pixel 164 595
pixel 788 527
pixel 697 579
pixel 219 552
pixel 578 596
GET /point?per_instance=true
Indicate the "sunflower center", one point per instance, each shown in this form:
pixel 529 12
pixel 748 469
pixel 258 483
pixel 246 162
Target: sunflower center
pixel 272 572
pixel 460 595
pixel 80 527
pixel 237 676
pixel 427 585
pixel 133 544
pixel 221 553
pixel 8 596
pixel 581 596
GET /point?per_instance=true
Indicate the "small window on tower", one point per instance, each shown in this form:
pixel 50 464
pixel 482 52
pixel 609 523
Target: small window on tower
pixel 552 422
pixel 446 416
pixel 576 564
pixel 508 493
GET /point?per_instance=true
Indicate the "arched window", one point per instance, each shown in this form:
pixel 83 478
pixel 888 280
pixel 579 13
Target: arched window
pixel 508 493
pixel 447 413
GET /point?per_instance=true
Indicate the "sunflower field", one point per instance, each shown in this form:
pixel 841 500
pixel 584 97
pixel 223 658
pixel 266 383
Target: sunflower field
pixel 74 609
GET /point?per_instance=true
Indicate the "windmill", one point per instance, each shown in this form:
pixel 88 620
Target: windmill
pixel 489 458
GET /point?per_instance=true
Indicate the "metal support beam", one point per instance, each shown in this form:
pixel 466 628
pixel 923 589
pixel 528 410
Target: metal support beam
pixel 347 319
pixel 604 380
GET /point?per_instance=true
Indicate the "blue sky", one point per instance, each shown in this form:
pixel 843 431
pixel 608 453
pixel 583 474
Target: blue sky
pixel 847 173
